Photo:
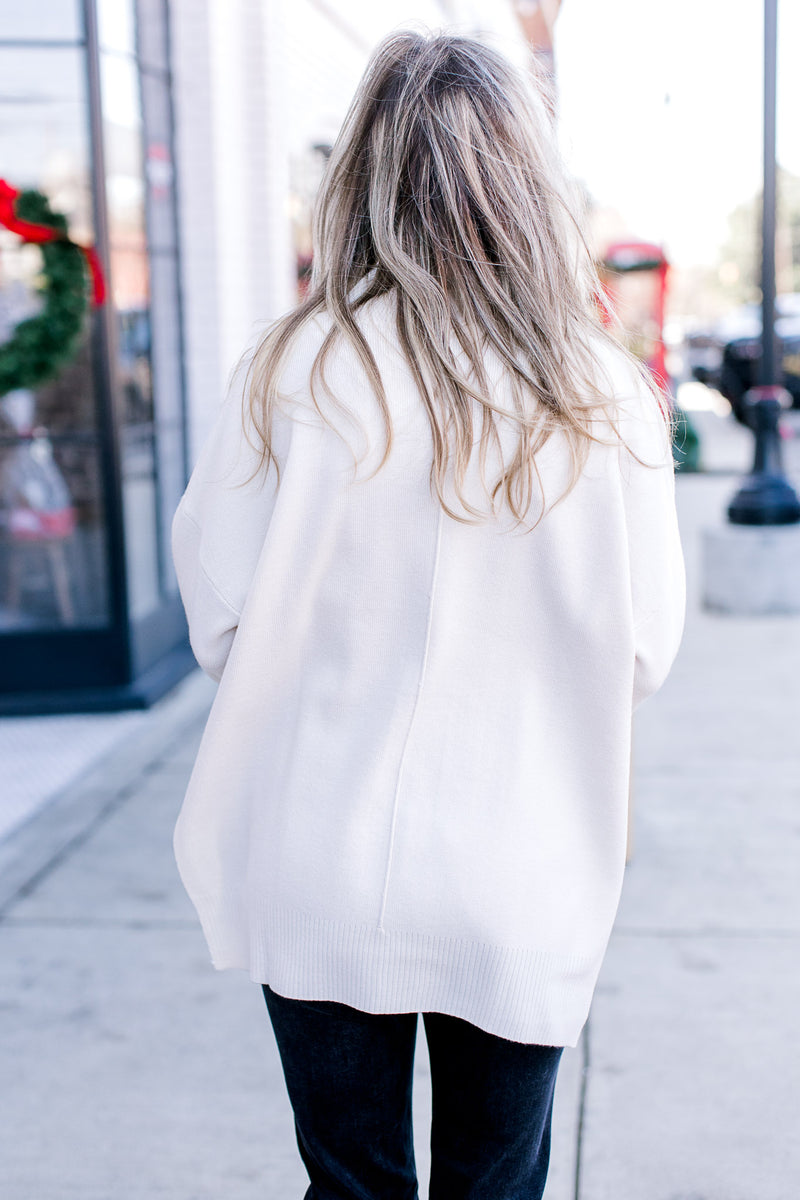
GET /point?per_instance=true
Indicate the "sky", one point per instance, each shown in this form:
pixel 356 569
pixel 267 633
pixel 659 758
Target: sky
pixel 661 111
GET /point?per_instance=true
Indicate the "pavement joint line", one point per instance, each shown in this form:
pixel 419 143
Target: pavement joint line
pixel 187 923
pixel 689 768
pixel 629 931
pixel 73 844
pixel 99 922
pixel 585 1068
pixel 126 788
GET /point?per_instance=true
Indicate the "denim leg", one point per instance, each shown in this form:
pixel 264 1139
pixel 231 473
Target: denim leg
pixel 492 1108
pixel 349 1077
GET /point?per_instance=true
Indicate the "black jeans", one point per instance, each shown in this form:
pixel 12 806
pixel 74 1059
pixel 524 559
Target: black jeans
pixel 349 1076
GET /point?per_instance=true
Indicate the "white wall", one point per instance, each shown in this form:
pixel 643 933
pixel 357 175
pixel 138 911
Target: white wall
pixel 229 89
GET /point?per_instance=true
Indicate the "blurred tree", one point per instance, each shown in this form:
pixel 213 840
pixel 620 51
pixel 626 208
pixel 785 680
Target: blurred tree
pixel 788 251
pixel 739 265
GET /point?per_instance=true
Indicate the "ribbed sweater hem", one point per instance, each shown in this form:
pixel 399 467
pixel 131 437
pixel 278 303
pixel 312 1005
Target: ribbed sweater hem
pixel 515 992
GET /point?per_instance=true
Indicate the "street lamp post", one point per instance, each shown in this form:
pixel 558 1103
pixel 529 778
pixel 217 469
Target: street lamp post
pixel 766 497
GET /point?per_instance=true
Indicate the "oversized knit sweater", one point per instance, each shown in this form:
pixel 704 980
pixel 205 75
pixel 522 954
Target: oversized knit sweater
pixel 411 792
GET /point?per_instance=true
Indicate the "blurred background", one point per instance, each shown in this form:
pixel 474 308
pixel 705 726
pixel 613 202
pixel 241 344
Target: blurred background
pixel 185 142
pixel 159 161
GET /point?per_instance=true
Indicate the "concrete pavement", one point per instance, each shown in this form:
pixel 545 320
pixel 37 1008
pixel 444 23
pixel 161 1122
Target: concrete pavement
pixel 133 1070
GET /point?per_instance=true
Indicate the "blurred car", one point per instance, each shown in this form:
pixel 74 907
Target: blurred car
pixel 727 356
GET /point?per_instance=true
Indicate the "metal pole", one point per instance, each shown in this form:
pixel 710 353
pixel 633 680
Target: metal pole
pixel 766 497
pixel 768 364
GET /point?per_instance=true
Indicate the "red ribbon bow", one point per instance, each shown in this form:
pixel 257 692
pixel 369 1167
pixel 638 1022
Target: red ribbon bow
pixel 31 231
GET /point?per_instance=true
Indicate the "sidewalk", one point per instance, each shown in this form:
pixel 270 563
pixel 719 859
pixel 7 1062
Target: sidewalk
pixel 133 1070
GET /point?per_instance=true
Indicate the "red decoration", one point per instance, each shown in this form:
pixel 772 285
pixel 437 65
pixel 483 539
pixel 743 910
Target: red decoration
pixel 31 232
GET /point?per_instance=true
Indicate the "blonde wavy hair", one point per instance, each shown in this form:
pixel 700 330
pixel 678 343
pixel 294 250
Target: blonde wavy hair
pixel 446 189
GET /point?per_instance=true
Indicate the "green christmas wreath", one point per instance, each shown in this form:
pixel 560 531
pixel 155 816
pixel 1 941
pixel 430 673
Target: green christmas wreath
pixel 41 345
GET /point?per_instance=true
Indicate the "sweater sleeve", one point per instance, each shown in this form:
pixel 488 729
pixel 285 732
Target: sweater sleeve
pixel 657 570
pixel 220 525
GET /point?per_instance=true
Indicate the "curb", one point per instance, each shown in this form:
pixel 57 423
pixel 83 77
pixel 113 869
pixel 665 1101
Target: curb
pixel 55 831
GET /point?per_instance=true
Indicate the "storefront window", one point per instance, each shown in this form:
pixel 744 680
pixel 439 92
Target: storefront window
pixel 55 20
pixel 92 453
pixel 162 236
pixel 53 563
pixel 123 145
pixel 169 416
pixel 116 29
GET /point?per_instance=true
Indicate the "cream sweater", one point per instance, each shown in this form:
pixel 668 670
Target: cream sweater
pixel 411 792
